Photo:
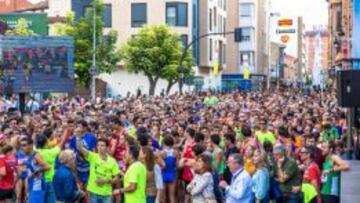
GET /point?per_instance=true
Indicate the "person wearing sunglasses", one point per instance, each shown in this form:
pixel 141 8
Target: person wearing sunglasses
pixel 311 177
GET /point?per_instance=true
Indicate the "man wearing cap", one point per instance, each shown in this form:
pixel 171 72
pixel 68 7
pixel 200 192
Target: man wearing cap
pixel 287 174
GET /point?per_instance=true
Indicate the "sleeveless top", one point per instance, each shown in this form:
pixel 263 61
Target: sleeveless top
pixel 119 154
pixel 35 183
pixel 221 168
pixel 21 160
pixel 169 171
pixel 331 182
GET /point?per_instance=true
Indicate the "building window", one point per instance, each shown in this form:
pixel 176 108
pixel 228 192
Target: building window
pixel 210 19
pixel 210 49
pixel 246 34
pixel 107 15
pixel 138 14
pixel 220 54
pixel 224 55
pixel 246 10
pixel 184 40
pixel 338 21
pixel 246 58
pixel 177 14
pixel 194 17
pixel 215 16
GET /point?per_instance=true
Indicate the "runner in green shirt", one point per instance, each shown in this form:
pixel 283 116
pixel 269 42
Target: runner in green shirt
pixel 49 155
pixel 218 162
pixel 210 100
pixel 104 170
pixel 135 178
pixel 333 165
pixel 264 134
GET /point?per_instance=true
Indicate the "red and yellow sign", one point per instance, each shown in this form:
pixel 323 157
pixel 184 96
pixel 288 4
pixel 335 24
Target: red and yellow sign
pixel 285 38
pixel 285 22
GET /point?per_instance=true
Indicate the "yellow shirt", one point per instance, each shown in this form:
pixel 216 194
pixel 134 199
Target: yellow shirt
pixel 250 167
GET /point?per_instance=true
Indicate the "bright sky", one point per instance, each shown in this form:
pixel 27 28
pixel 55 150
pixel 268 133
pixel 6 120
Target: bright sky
pixel 314 12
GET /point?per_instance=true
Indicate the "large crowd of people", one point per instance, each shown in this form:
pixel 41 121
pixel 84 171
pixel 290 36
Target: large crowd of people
pixel 252 147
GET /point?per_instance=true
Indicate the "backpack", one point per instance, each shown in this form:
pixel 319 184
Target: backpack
pixel 217 190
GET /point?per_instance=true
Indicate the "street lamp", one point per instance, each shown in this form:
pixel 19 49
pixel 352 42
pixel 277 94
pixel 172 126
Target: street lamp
pixel 271 15
pixel 93 83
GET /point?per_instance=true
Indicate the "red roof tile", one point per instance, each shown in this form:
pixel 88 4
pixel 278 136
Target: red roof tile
pixel 7 6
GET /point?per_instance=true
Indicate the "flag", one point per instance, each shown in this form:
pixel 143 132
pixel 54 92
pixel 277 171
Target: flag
pixel 246 74
pixel 216 68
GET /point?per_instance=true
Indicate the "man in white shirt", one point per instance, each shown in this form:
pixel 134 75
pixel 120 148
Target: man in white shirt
pixel 240 189
pixel 32 105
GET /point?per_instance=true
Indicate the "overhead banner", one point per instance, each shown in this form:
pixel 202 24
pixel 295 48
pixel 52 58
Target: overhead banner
pixel 356 35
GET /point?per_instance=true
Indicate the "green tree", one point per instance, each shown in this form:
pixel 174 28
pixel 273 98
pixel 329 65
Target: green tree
pixel 107 55
pixel 21 29
pixel 174 73
pixel 155 51
pixel 60 29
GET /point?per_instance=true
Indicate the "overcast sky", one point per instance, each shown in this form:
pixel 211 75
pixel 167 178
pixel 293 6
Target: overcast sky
pixel 314 12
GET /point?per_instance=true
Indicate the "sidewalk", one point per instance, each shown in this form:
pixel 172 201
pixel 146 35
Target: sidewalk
pixel 350 183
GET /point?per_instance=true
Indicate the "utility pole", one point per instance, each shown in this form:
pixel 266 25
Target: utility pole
pixel 93 72
pixel 181 68
pixel 270 16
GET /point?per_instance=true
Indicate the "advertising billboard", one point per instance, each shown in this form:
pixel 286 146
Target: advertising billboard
pixel 285 29
pixel 37 21
pixel 356 34
pixel 36 64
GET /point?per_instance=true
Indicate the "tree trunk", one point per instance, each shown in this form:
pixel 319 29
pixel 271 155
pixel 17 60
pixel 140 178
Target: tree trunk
pixel 169 86
pixel 181 84
pixel 153 82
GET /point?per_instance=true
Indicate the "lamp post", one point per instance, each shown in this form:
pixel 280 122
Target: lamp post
pixel 93 68
pixel 271 15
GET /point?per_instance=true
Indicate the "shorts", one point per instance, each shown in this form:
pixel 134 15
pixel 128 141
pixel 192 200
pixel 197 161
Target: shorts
pixel 186 184
pixel 6 194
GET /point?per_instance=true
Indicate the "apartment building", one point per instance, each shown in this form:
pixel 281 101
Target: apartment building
pixel 317 50
pixel 301 50
pixel 340 25
pixel 127 17
pixel 184 16
pixel 250 15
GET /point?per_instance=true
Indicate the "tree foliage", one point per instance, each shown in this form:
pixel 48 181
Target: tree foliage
pixel 107 55
pixel 155 51
pixel 3 27
pixel 60 29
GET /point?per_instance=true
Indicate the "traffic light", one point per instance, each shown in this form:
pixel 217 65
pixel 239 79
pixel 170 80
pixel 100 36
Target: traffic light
pixel 238 34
